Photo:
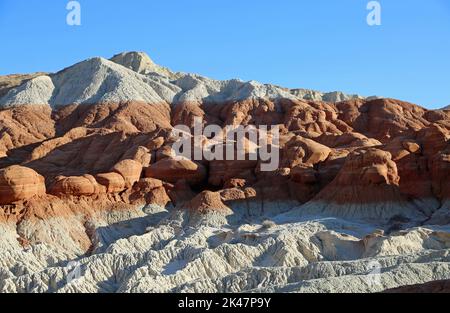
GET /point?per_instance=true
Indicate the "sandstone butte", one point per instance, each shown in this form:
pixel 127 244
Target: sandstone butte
pixel 70 147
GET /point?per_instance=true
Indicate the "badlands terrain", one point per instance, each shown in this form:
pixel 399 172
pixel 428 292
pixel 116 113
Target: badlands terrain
pixel 92 198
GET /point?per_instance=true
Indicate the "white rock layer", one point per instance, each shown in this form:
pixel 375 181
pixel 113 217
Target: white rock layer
pixel 133 76
pixel 161 252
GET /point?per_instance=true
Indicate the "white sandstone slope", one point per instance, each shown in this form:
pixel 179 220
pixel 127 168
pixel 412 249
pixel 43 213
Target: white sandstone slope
pixel 98 80
pixel 335 96
pixel 133 76
pixel 38 90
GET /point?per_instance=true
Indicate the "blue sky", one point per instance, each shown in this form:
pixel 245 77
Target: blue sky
pixel 318 44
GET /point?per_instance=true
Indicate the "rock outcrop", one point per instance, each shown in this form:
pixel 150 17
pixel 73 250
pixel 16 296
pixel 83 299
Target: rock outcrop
pixel 114 182
pixel 441 286
pixel 130 170
pixel 85 185
pixel 20 183
pixel 9 82
pixel 88 175
pixel 208 202
pixel 173 170
pixel 367 186
pixel 141 63
pixel 334 96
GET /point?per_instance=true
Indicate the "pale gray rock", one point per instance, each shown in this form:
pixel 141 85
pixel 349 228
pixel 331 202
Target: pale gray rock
pixel 154 252
pixel 335 96
pixel 133 76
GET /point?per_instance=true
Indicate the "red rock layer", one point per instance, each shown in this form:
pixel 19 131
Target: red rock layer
pixel 350 152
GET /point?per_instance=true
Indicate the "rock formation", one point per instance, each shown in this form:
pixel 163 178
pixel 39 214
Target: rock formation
pixel 441 286
pixel 172 170
pixel 87 174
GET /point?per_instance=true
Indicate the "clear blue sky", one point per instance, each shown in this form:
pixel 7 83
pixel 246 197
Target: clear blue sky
pixel 318 44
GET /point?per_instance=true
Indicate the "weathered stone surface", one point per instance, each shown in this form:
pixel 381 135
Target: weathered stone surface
pixel 113 182
pixel 208 202
pixel 356 177
pixel 75 186
pixel 440 286
pixel 20 183
pixel 305 151
pixel 130 170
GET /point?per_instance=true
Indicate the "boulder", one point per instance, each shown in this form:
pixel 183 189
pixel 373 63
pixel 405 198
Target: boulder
pixel 113 182
pixel 130 170
pixel 172 170
pixel 368 167
pixel 208 202
pixel 157 196
pixel 20 183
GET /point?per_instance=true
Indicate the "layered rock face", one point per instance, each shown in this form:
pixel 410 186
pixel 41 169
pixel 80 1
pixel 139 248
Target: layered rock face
pixel 88 172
